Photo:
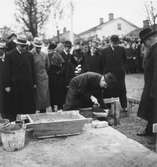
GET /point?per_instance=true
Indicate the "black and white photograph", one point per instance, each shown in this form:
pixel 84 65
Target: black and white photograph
pixel 78 83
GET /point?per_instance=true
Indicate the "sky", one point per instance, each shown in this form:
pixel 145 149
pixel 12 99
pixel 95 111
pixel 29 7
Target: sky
pixel 86 13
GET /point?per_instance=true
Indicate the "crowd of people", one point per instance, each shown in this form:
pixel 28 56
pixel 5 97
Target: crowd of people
pixel 38 78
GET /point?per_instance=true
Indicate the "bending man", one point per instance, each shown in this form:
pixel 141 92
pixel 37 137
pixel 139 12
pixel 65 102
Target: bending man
pixel 86 90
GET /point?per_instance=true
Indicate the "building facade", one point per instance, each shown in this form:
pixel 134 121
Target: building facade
pixel 118 26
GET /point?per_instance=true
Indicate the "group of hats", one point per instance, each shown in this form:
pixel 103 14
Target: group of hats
pixel 21 40
pixel 144 35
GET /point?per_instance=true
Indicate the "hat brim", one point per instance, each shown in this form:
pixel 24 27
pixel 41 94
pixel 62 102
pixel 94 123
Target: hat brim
pixel 2 46
pixel 149 35
pixel 20 43
pixel 37 46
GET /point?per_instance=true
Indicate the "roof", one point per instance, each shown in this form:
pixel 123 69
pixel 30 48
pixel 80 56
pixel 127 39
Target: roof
pixel 110 21
pixel 134 33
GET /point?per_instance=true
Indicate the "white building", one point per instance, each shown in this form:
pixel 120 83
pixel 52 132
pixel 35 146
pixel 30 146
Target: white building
pixel 118 26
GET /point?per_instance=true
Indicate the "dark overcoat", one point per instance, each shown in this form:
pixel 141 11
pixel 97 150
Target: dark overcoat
pixel 19 75
pixel 68 71
pixel 1 87
pixel 56 79
pixel 148 105
pixel 81 88
pixel 78 59
pixel 68 67
pixel 114 61
pixel 10 46
pixel 93 62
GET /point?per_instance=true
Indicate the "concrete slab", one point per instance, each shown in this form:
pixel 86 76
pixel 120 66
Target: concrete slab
pixel 101 147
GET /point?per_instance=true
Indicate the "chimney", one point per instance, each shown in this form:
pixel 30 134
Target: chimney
pixel 64 30
pixel 101 20
pixel 146 23
pixel 110 16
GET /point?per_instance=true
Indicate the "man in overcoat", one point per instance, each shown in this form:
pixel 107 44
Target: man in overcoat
pixel 68 66
pixel 56 77
pixel 41 64
pixel 2 57
pixel 114 59
pixel 19 82
pixel 10 43
pixel 93 58
pixel 86 89
pixel 148 105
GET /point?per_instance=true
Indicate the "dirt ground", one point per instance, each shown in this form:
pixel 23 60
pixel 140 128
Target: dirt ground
pixel 93 149
pixel 132 124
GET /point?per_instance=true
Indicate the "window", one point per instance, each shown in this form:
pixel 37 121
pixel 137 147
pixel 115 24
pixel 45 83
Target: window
pixel 119 26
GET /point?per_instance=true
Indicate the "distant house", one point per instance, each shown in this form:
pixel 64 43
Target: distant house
pixel 134 34
pixel 65 35
pixel 118 26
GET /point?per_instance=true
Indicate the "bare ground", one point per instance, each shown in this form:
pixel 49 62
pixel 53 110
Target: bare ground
pixel 132 124
pixel 93 151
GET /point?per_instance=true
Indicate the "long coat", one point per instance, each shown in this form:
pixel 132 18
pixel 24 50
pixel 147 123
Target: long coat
pixel 78 59
pixel 93 63
pixel 114 62
pixel 148 105
pixel 1 87
pixel 41 64
pixel 19 75
pixel 81 88
pixel 68 71
pixel 68 67
pixel 56 79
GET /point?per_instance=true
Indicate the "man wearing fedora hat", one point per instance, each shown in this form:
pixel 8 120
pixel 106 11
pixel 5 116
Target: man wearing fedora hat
pixel 2 56
pixel 114 59
pixel 10 42
pixel 148 104
pixel 41 64
pixel 19 80
pixel 68 66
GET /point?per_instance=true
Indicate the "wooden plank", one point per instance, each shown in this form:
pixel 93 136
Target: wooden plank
pixel 114 109
pixel 57 126
pixel 155 128
pixel 155 131
pixel 110 100
pixel 57 129
pixel 155 142
pixel 116 114
pixel 61 123
pixel 43 136
pixel 30 119
pixel 132 100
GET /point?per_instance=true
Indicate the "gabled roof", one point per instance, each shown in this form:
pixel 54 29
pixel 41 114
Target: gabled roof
pixel 128 22
pixel 109 21
pixel 134 33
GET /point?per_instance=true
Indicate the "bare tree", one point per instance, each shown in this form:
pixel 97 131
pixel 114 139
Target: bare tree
pixel 62 13
pixel 151 13
pixel 5 32
pixel 33 14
